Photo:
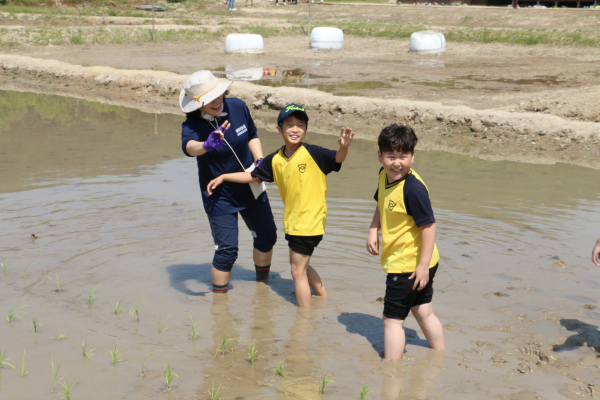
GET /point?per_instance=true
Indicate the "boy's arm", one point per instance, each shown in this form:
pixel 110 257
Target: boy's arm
pixel 238 177
pixel 428 244
pixel 345 140
pixel 373 239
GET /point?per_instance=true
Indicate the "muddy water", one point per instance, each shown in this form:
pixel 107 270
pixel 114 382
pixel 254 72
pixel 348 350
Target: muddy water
pixel 113 203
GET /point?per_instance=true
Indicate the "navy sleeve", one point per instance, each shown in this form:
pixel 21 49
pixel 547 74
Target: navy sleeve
pixel 187 134
pixel 416 200
pixel 324 158
pixel 264 171
pixel 376 197
pixel 252 131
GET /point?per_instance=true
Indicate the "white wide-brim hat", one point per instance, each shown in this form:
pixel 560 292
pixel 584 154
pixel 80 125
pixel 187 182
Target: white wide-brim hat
pixel 199 89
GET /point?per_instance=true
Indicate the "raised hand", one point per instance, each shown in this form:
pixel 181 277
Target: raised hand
pixel 215 139
pixel 346 136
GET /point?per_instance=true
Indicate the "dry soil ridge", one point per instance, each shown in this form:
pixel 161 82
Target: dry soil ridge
pixel 490 134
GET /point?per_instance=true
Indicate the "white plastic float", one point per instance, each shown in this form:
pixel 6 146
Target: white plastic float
pixel 427 42
pixel 244 43
pixel 326 38
pixel 248 74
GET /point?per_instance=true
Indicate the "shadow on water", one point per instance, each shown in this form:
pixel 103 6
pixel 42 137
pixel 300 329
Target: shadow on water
pixel 372 329
pixel 586 335
pixel 180 276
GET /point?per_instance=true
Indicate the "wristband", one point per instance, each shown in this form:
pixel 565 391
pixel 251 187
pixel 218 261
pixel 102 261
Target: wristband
pixel 259 161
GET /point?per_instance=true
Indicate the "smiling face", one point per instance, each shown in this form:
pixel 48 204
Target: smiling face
pixel 214 108
pixel 293 130
pixel 396 164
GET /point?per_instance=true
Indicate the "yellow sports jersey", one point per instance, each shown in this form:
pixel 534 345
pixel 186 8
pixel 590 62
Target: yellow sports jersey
pixel 405 207
pixel 302 185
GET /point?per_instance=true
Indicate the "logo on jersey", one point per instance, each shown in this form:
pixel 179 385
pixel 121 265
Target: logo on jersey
pixel 241 130
pixel 391 205
pixel 302 168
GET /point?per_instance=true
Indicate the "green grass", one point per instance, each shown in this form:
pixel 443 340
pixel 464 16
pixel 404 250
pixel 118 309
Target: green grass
pixel 224 345
pixel 15 314
pixel 67 387
pixel 169 375
pixel 92 293
pixel 194 334
pixel 136 310
pixel 4 361
pixel 37 324
pixel 87 353
pixel 118 308
pixel 279 370
pixel 252 352
pixel 364 391
pixel 58 283
pixel 54 374
pixel 215 394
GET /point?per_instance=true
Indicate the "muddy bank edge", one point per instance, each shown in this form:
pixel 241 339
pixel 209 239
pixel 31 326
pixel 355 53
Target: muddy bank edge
pixel 488 134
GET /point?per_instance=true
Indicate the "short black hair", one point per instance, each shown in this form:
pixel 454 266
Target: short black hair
pixel 298 114
pixel 400 138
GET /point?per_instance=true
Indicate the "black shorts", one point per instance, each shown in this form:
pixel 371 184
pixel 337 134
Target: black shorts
pixel 400 296
pixel 303 244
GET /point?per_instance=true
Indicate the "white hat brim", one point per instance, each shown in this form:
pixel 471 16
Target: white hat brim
pixel 188 105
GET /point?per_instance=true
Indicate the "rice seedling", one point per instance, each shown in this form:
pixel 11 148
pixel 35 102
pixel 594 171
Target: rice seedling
pixel 67 387
pixel 54 374
pixel 87 353
pixel 15 314
pixel 136 310
pixel 46 276
pixel 92 293
pixel 116 356
pixel 23 366
pixel 24 274
pixel 324 381
pixel 58 283
pixel 4 360
pixel 279 370
pixel 215 394
pixel 37 324
pixel 160 327
pixel 118 307
pixel 60 336
pixel 224 344
pixel 143 367
pixel 169 375
pixel 4 265
pixel 252 352
pixel 364 390
pixel 195 333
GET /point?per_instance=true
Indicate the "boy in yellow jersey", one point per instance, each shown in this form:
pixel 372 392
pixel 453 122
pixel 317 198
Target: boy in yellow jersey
pixel 409 254
pixel 299 171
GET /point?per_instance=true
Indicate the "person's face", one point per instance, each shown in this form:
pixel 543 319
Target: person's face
pixel 293 130
pixel 214 108
pixel 396 164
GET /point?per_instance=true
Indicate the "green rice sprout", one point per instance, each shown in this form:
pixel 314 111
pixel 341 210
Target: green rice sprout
pixel 24 274
pixel 324 381
pixel 279 370
pixel 4 265
pixel 215 394
pixel 87 353
pixel 169 375
pixel 4 360
pixel 46 276
pixel 58 283
pixel 364 390
pixel 15 314
pixel 37 324
pixel 116 356
pixel 252 352
pixel 136 310
pixel 160 327
pixel 92 293
pixel 23 373
pixel 224 344
pixel 54 374
pixel 143 367
pixel 195 333
pixel 67 387
pixel 60 336
pixel 118 307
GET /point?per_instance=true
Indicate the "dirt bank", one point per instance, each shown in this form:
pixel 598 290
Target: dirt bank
pixel 489 134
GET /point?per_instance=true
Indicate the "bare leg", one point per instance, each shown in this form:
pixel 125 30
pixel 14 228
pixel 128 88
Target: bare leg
pixel 220 278
pixel 393 338
pixel 430 325
pixel 315 282
pixel 299 264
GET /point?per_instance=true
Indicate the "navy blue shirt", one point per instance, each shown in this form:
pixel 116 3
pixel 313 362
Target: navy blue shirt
pixel 229 197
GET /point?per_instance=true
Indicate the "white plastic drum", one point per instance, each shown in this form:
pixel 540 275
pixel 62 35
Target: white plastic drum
pixel 326 38
pixel 244 43
pixel 427 42
pixel 248 74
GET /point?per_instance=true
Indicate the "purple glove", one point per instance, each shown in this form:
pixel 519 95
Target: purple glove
pixel 214 140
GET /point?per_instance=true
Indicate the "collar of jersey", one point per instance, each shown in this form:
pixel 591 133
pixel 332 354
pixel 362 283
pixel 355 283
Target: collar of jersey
pixel 292 156
pixel 391 185
pixel 209 117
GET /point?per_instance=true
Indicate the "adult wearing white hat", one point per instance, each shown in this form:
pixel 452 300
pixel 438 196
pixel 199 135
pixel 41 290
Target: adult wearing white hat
pixel 221 134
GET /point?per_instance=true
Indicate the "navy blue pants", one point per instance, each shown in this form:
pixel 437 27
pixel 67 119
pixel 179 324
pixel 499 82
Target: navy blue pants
pixel 224 228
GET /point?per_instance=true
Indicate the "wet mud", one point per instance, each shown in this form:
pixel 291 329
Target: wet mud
pixel 112 202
